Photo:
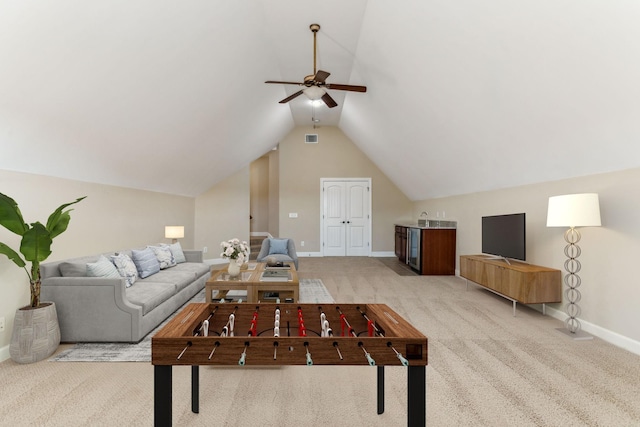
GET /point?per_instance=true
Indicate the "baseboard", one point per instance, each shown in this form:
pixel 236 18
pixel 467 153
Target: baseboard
pixel 385 254
pixel 597 331
pixel 372 254
pixel 4 353
pixel 309 254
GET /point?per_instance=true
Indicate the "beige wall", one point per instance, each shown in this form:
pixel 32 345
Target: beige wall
pixel 260 194
pixel 335 156
pixel 274 193
pixel 610 289
pixel 222 213
pixel 109 219
pixel 113 218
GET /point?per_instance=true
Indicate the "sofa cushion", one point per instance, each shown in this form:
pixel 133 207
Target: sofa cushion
pixel 278 246
pixel 164 255
pixel 126 267
pixel 146 262
pixel 149 295
pixel 102 268
pixel 181 275
pixel 196 269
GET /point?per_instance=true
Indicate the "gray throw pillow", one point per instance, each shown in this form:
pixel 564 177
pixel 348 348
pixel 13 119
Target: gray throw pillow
pixel 278 246
pixel 146 262
pixel 178 254
pixel 73 269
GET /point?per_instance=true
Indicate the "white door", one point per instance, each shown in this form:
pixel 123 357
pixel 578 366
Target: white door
pixel 346 217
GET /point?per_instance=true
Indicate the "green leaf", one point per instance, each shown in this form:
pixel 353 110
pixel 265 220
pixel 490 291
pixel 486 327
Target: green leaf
pixel 36 243
pixel 12 255
pixel 59 220
pixel 10 216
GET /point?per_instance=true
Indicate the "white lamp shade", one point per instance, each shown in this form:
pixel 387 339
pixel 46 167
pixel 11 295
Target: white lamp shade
pixel 174 231
pixel 314 92
pixel 574 210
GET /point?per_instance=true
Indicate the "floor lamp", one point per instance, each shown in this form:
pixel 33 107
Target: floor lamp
pixel 573 210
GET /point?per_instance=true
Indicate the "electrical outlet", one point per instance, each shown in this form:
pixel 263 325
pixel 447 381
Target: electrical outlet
pixel 205 250
pixel 302 243
pixel 1 324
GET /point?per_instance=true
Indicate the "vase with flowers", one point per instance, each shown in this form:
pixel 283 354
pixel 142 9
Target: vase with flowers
pixel 237 252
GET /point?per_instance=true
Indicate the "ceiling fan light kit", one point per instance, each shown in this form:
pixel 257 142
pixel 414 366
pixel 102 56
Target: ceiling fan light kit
pixel 315 84
pixel 314 92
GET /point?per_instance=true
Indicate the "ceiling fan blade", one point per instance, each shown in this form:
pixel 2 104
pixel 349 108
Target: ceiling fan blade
pixel 285 83
pixel 321 76
pixel 329 100
pixel 351 88
pixel 290 97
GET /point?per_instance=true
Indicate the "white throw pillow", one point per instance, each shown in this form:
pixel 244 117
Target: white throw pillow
pixel 164 255
pixel 126 267
pixel 102 268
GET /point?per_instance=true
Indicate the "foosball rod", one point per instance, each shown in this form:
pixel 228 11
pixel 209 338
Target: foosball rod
pixel 404 361
pixel 367 355
pixel 343 318
pixel 252 332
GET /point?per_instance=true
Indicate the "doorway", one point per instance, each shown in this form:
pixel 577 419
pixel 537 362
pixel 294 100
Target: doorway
pixel 346 216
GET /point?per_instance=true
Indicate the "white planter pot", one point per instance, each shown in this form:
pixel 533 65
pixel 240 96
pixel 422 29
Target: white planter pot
pixel 36 333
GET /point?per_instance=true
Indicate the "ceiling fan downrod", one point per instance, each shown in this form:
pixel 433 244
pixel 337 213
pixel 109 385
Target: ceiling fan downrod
pixel 314 28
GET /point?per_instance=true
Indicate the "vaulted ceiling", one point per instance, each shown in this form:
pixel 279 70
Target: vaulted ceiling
pixel 463 96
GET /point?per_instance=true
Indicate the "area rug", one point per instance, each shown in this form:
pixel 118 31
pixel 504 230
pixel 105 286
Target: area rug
pixel 311 291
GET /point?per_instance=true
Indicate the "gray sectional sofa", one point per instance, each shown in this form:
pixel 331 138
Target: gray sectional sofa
pixel 104 309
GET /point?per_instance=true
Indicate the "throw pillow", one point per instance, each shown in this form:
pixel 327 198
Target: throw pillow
pixel 146 262
pixel 164 255
pixel 177 252
pixel 126 268
pixel 278 246
pixel 102 268
pixel 73 269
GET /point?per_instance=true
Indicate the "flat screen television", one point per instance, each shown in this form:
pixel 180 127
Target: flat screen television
pixel 504 236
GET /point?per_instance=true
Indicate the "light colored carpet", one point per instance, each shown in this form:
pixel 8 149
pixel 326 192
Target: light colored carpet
pixel 486 368
pixel 311 290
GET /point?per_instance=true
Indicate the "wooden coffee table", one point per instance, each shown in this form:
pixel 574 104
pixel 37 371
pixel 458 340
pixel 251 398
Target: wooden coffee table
pixel 249 280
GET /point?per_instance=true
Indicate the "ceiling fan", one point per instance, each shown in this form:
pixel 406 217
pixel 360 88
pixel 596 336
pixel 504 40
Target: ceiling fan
pixel 315 84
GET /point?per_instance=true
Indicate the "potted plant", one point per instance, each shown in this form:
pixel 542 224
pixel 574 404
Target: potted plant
pixel 35 247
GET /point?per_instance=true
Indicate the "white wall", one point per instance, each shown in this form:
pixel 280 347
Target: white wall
pixel 610 291
pixel 109 219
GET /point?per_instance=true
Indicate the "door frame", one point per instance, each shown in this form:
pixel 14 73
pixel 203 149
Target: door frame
pixel 321 213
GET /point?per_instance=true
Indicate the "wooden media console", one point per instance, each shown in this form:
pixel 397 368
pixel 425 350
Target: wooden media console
pixel 358 334
pixel 517 281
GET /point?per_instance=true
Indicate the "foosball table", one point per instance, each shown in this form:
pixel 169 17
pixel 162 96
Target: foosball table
pixel 274 334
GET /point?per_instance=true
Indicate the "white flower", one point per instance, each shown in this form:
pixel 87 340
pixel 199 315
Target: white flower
pixel 234 249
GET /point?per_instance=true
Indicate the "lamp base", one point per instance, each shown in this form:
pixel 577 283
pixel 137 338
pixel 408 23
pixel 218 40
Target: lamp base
pixel 577 336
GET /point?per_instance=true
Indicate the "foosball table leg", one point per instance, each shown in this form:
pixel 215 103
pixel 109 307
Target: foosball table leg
pixel 195 389
pixel 162 398
pixel 380 389
pixel 416 396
